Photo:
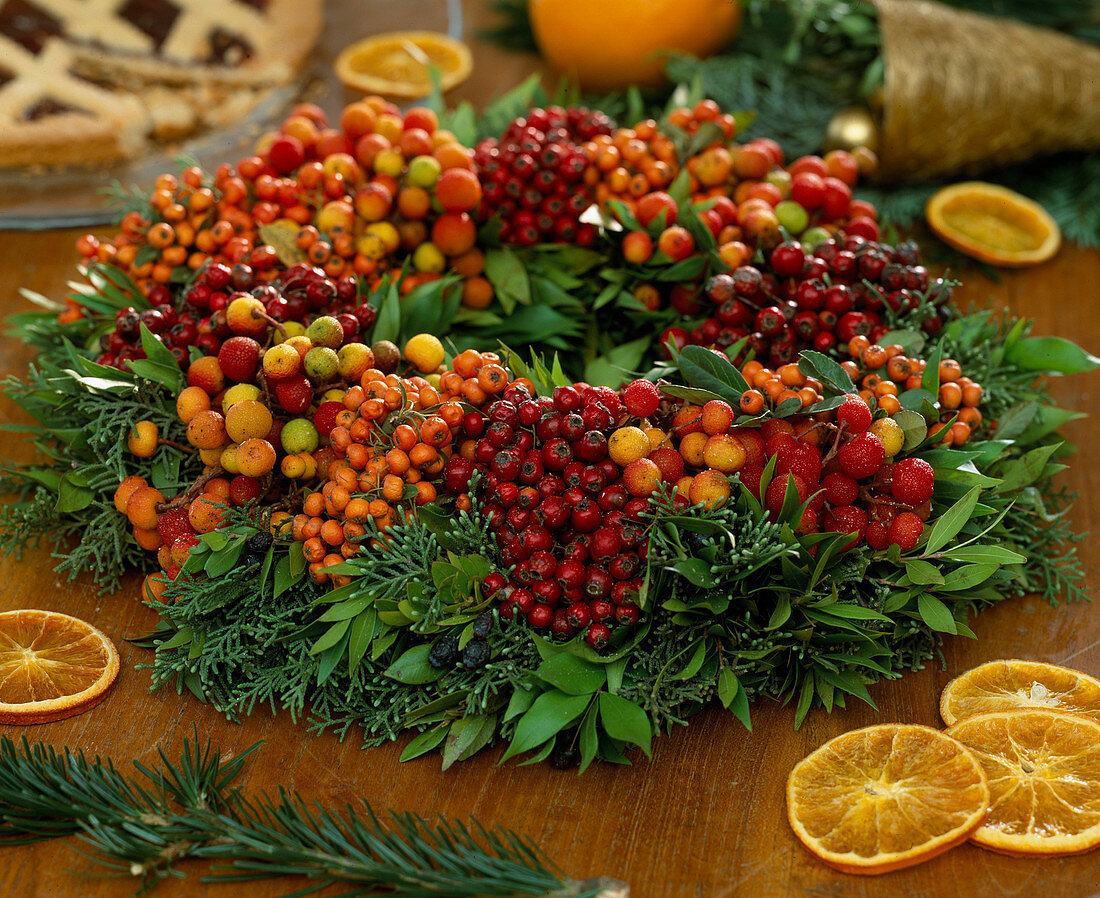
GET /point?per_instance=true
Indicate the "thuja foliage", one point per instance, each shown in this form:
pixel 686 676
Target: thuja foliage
pixel 144 825
pixel 83 413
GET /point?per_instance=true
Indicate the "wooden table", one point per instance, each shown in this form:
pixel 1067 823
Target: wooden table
pixel 705 816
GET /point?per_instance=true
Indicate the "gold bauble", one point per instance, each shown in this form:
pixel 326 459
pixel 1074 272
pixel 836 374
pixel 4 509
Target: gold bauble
pixel 852 127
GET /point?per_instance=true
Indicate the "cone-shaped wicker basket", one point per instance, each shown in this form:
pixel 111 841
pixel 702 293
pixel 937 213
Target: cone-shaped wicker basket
pixel 965 92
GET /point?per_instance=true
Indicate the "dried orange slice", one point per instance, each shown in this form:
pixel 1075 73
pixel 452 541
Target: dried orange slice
pixel 51 666
pixel 1005 685
pixel 885 797
pixel 993 224
pixel 1043 769
pixel 398 64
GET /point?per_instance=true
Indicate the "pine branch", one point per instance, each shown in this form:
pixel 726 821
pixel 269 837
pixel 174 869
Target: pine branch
pixel 141 826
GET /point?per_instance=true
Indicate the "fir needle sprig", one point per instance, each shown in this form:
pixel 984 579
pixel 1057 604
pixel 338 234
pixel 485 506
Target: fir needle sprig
pixel 192 808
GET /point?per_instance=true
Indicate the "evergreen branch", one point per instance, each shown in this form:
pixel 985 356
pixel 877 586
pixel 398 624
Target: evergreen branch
pixel 142 826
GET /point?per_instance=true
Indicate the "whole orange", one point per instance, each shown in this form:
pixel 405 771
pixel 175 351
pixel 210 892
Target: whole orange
pixel 611 44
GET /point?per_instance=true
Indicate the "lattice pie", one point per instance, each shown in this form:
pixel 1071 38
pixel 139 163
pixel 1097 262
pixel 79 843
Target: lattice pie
pixel 92 80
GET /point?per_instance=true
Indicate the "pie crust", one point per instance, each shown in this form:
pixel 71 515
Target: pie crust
pixel 90 81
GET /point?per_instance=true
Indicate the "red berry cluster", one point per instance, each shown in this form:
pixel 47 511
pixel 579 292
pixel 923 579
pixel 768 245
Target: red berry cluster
pixel 533 177
pixel 299 293
pixel 815 300
pixel 566 518
pixel 855 489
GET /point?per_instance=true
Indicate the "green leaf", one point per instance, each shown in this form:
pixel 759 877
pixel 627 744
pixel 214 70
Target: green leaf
pixel 283 578
pixel 850 611
pixel 169 378
pixel 331 637
pixel 914 400
pixel 952 521
pixel 930 380
pixel 968 576
pixel 986 555
pixel 521 700
pixel 159 354
pixel 1016 420
pixel 508 276
pixel 698 656
pixel 827 370
pixel 914 427
pixel 297 561
pixel 1048 420
pixel 182 637
pixel 909 340
pixel 694 395
pixel 625 721
pixel 734 697
pixel 362 631
pixel 685 270
pixel 936 614
pixel 588 741
pixel 696 571
pixel 166 470
pixel 73 494
pixel 1026 469
pixel 703 368
pixel 805 699
pixel 222 561
pixel 467 736
pixel 615 671
pixel 782 612
pixel 424 743
pixel 412 668
pixel 1053 355
pixel 923 573
pixel 550 713
pixel 388 324
pixel 571 675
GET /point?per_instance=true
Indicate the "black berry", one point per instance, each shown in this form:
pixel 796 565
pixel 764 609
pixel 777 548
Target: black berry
pixel 476 654
pixel 444 652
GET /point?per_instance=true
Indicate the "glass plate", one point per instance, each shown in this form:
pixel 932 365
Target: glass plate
pixel 76 197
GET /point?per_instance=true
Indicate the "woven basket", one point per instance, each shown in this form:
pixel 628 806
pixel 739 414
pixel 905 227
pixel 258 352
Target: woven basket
pixel 965 92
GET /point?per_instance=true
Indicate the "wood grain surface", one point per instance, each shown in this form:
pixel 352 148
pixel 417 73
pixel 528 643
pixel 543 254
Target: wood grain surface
pixel 705 816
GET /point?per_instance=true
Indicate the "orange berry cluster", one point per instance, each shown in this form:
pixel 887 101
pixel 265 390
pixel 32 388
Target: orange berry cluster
pixel 770 389
pixel 359 199
pixel 883 372
pixel 630 162
pixel 386 455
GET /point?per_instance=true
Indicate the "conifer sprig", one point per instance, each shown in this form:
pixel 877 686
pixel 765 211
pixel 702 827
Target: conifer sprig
pixel 193 808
